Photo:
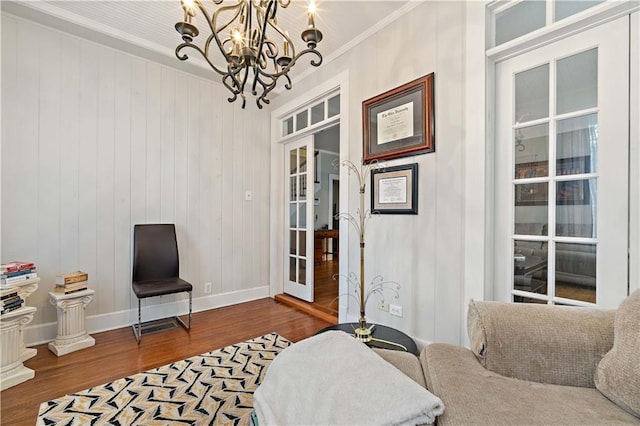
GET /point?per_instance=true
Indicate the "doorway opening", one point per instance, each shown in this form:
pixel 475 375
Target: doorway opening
pixel 326 228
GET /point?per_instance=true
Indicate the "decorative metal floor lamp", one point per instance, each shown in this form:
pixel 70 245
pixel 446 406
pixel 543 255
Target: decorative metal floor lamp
pixel 378 285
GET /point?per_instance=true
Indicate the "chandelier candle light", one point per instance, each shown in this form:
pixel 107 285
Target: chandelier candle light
pixel 239 31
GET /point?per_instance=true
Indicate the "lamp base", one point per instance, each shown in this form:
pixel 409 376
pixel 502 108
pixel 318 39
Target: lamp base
pixel 363 334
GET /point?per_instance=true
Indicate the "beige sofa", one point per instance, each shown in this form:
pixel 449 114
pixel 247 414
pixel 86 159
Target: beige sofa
pixel 536 364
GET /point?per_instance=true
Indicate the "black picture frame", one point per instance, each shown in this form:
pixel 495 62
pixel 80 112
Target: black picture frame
pixel 394 190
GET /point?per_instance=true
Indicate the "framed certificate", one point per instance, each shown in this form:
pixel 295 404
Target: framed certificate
pixel 400 122
pixel 394 190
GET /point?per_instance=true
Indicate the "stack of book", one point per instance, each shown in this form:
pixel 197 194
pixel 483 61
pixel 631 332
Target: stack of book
pixel 72 282
pixel 16 272
pixel 10 301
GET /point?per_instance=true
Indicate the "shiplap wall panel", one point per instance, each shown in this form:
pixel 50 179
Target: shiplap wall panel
pixel 87 169
pixel 153 122
pixel 69 141
pixel 167 135
pixel 108 140
pixel 122 296
pixel 49 153
pixel 105 180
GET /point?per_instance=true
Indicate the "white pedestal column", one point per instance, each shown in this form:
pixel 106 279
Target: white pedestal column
pixel 72 334
pixel 26 289
pixel 12 371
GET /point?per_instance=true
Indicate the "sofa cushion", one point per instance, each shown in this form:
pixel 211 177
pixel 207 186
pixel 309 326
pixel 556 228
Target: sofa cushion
pixel 618 374
pixel 406 362
pixel 524 341
pixel 473 395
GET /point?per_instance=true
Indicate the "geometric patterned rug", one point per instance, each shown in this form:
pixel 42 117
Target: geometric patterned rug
pixel 213 388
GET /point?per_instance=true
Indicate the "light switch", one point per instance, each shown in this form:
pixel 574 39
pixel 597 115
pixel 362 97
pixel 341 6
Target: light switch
pixel 248 195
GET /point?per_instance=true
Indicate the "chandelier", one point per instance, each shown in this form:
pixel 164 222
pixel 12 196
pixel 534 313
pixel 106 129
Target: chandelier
pixel 244 35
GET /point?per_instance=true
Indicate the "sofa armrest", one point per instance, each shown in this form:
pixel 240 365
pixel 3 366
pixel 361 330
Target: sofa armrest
pixel 541 343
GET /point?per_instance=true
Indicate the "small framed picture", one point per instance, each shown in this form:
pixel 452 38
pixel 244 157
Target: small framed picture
pixel 400 122
pixel 394 190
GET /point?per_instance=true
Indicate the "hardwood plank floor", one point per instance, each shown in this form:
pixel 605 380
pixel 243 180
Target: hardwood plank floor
pixel 116 353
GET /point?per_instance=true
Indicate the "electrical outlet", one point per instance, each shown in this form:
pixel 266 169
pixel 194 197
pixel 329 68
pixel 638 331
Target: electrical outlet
pixel 395 310
pixel 207 288
pixel 383 306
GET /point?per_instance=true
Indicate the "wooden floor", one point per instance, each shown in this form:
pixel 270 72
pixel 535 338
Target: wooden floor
pixel 325 287
pixel 117 355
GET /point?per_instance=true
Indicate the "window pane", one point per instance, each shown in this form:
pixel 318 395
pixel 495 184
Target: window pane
pixel 292 189
pixel 303 188
pixel 566 8
pixel 576 271
pixel 302 220
pixel 303 243
pixel 576 208
pixel 301 120
pixel 292 242
pixel 333 106
pixel 531 194
pixel 520 299
pixel 531 147
pixel 317 113
pixel 287 126
pixel 303 159
pixel 577 82
pixel 292 269
pixel 302 277
pixel 293 220
pixel 577 145
pixel 530 266
pixel 519 20
pixel 532 94
pixel 293 161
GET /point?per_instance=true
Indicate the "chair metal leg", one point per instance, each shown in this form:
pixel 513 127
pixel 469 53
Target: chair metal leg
pixel 138 332
pixel 181 321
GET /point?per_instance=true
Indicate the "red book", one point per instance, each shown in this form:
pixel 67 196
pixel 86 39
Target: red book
pixel 16 265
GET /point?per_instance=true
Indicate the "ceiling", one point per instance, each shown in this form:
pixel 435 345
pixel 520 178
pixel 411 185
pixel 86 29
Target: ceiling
pixel 146 27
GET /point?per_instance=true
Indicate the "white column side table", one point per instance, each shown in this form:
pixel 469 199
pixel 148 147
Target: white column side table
pixel 26 289
pixel 12 370
pixel 72 334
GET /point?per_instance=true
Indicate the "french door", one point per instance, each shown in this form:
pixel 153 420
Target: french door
pixel 561 172
pixel 298 238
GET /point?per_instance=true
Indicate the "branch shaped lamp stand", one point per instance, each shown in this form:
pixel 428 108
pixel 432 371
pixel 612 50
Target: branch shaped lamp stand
pixel 378 285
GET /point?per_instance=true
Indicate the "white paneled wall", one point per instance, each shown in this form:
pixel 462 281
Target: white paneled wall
pixel 95 140
pixel 424 252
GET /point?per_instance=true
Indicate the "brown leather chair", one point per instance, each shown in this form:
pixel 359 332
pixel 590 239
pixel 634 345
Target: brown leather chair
pixel 156 268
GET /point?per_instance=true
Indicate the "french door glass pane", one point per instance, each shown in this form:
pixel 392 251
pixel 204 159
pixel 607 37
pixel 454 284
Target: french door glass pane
pixel 531 148
pixel 302 277
pixel 528 195
pixel 519 20
pixel 576 271
pixel 302 217
pixel 577 145
pixel 577 82
pixel 293 155
pixel 576 208
pixel 293 207
pixel 292 241
pixel 303 159
pixel 530 266
pixel 292 269
pixel 303 243
pixel 566 8
pixel 532 94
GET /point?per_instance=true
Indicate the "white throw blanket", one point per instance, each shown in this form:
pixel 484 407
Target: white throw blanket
pixel 333 379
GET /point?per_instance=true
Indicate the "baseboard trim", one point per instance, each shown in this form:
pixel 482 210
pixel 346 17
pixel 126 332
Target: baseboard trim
pixel 43 333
